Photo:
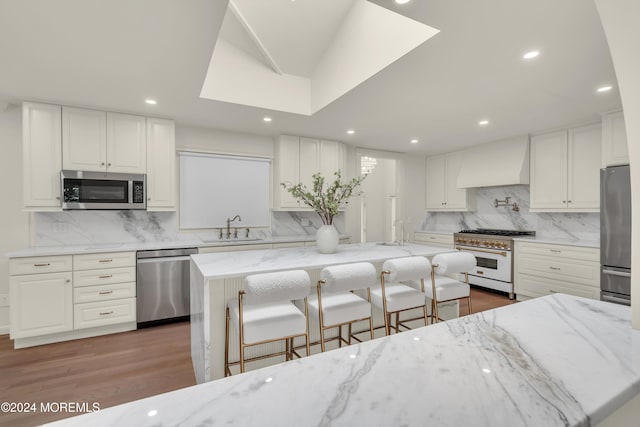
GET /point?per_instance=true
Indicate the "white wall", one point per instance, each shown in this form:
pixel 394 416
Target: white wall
pixel 620 23
pixel 218 141
pixel 14 226
pixel 413 171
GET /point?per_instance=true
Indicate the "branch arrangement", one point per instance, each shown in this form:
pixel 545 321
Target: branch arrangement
pixel 325 202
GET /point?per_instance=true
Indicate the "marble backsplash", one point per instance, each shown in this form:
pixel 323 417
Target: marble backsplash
pixel 582 226
pixel 104 227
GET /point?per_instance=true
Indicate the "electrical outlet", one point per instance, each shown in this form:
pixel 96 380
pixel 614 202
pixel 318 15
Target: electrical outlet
pixel 4 300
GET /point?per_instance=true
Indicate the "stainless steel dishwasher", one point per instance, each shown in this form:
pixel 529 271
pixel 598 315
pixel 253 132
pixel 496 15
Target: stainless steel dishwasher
pixel 163 286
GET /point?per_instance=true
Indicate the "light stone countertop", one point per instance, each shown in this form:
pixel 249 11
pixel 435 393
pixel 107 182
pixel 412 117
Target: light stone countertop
pixel 141 246
pixel 444 233
pixel 557 360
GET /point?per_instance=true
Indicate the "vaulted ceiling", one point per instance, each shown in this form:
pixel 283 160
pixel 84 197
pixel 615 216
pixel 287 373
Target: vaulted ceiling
pixel 114 54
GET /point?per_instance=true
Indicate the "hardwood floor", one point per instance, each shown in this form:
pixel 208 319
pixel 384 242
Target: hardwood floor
pixel 114 369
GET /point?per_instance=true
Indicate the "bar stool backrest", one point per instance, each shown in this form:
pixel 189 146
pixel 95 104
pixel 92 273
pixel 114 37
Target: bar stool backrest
pixel 348 277
pixel 454 262
pixel 408 268
pixel 273 287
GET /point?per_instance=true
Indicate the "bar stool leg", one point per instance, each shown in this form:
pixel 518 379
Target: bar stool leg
pixel 371 327
pixel 350 330
pixel 340 336
pixel 226 344
pixel 397 322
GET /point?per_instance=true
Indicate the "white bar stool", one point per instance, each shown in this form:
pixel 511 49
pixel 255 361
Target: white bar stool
pixel 264 312
pixel 336 306
pixel 445 288
pixel 395 297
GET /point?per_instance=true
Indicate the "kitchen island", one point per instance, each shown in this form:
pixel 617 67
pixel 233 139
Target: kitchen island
pixel 217 277
pixel 557 360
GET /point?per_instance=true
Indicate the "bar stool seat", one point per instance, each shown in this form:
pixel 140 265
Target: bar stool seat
pixel 265 322
pixel 447 289
pixel 444 288
pixel 340 308
pixel 399 297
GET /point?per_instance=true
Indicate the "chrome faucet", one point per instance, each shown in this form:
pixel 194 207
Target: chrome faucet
pixel 229 221
pixel 401 241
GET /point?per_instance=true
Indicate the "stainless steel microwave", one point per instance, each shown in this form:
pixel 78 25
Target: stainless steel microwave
pixel 103 190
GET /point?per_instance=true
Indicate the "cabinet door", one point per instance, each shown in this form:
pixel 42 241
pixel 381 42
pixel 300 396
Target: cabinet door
pixel 161 164
pixel 287 170
pixel 332 160
pixel 583 184
pixel 549 171
pixel 455 198
pixel 84 139
pixel 41 155
pixel 126 143
pixel 41 304
pixel 614 140
pixel 309 160
pixel 435 183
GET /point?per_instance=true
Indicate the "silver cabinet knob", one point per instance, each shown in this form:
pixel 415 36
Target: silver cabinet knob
pixel 108 164
pixel 102 164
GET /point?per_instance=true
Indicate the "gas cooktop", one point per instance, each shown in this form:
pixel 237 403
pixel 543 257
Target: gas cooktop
pixel 494 232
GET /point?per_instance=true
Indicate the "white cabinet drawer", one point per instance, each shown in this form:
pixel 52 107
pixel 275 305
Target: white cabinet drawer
pixel 103 276
pixel 104 260
pixel 571 270
pixel 104 292
pixel 36 265
pixel 535 286
pixel 434 239
pixel 559 251
pixel 92 314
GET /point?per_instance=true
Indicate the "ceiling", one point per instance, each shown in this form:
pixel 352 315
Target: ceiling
pixel 113 55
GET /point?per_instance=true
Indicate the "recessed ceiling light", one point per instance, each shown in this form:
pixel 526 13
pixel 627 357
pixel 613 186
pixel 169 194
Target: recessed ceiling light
pixel 483 122
pixel 152 413
pixel 351 131
pixel 267 119
pixel 151 101
pixel 402 1
pixel 414 141
pixel 605 88
pixel 531 55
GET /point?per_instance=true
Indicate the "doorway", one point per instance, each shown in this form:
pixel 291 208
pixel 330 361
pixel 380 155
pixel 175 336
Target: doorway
pixel 380 199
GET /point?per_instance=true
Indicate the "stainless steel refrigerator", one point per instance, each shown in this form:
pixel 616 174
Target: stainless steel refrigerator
pixel 615 235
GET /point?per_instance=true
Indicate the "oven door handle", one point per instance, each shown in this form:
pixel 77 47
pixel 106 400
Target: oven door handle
pixel 472 249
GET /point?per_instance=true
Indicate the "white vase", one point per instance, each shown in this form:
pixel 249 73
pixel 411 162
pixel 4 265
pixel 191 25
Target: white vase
pixel 327 239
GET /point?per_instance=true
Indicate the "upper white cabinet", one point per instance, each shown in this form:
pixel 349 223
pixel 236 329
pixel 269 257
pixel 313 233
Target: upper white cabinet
pixel 442 193
pixel 298 158
pixel 614 140
pixel 161 164
pixel 565 170
pixel 103 142
pixel 41 156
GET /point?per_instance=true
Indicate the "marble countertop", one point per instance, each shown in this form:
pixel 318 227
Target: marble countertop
pixel 558 360
pixel 569 242
pixel 445 233
pixel 141 246
pixel 233 264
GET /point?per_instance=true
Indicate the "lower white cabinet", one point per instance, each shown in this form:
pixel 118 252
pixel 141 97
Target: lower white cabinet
pixel 434 239
pixel 102 313
pixel 542 269
pixel 41 303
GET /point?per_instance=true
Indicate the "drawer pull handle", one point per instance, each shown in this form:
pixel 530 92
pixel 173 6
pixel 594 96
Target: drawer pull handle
pixel 42 265
pixel 106 313
pixel 105 292
pixel 105 260
pixel 480 272
pixel 108 276
pixel 552 291
pixel 555 250
pixel 555 268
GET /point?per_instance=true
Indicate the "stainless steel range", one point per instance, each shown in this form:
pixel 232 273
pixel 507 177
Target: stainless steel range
pixel 493 250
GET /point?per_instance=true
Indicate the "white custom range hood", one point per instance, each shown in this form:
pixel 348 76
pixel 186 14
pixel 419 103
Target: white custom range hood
pixel 504 162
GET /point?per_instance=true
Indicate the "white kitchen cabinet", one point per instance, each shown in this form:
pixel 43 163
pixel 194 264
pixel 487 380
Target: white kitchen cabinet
pixel 541 269
pixel 41 155
pixel 126 143
pixel 442 176
pixel 297 159
pixel 161 165
pixel 434 239
pixel 614 140
pixel 41 303
pixel 97 141
pixel 565 170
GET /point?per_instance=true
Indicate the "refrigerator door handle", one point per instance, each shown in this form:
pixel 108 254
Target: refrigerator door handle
pixel 616 273
pixel 609 298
